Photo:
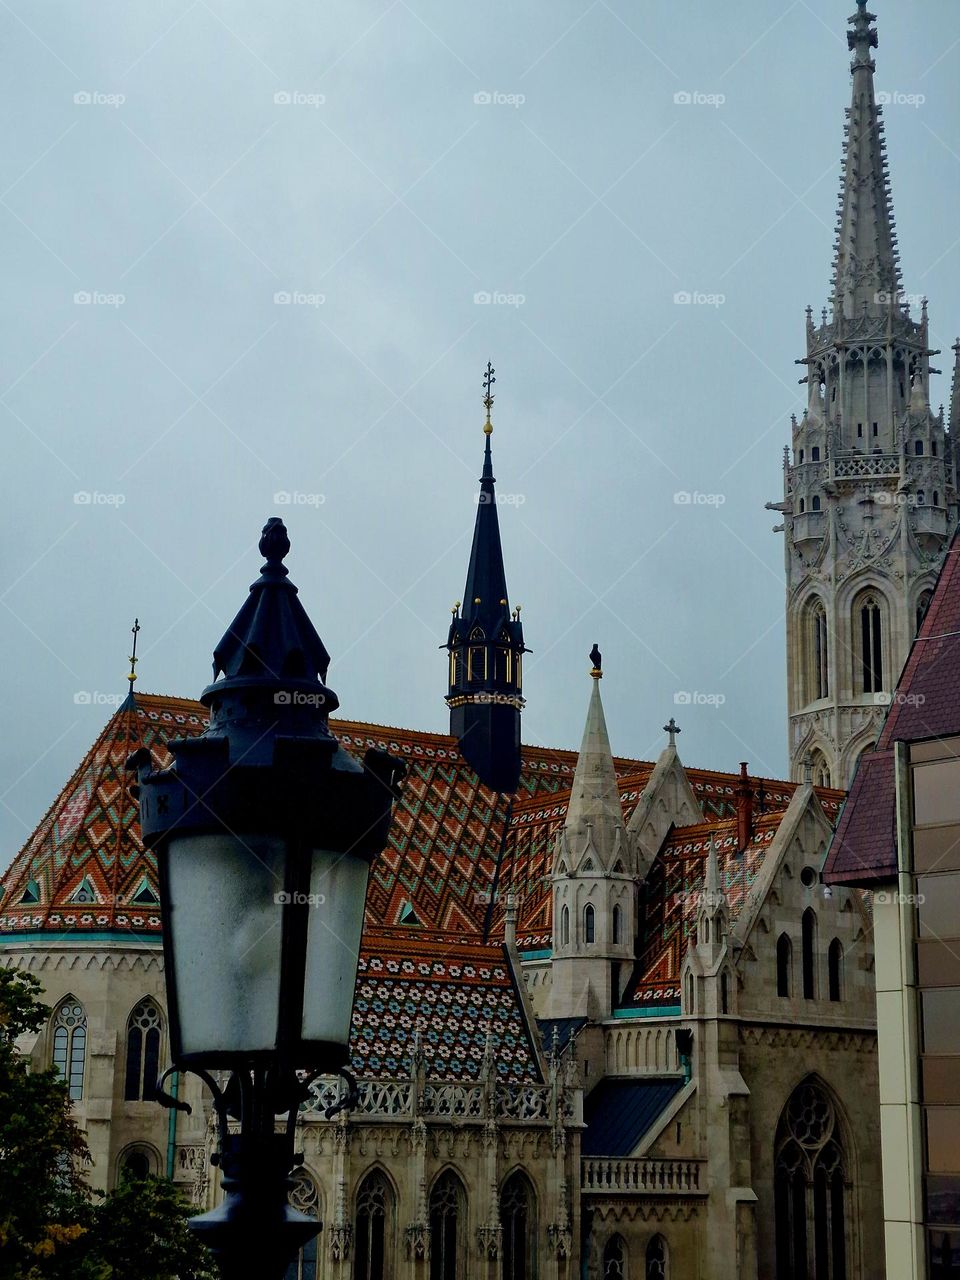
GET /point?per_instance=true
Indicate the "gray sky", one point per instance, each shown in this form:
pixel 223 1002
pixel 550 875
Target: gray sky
pixel 581 196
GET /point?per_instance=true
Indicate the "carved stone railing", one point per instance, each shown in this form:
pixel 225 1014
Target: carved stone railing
pixel 439 1100
pixel 523 1102
pixel 601 1174
pixel 387 1098
pixel 867 464
pixel 457 1101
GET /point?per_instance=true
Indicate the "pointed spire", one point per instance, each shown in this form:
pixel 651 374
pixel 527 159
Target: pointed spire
pixel 866 271
pixel 955 393
pixel 594 814
pixel 711 875
pixel 134 631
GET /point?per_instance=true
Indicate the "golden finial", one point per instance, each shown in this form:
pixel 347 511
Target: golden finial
pixel 488 381
pixel 134 631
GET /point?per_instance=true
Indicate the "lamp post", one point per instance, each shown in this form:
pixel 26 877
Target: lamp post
pixel 264 830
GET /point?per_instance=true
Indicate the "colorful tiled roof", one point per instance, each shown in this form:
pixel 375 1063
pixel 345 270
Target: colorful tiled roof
pixel 455 994
pixel 926 704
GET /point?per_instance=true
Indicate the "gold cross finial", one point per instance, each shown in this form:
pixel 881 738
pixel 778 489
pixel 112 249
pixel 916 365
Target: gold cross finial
pixel 134 631
pixel 488 381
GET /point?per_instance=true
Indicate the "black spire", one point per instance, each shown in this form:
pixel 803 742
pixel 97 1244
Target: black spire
pixel 485 644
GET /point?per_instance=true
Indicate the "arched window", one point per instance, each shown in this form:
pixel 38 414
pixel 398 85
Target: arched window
pixel 784 965
pixel 803 505
pixel 691 995
pixel 815 502
pixel 871 645
pixel 518 1220
pixel 918 448
pixel 656 1260
pixel 921 498
pixel 835 969
pixel 820 769
pixel 70 1045
pixel 305 1196
pixel 815 457
pixel 617 923
pixel 143 1052
pixel 589 923
pixel 923 603
pixel 565 927
pixel 811 1191
pixel 137 1162
pixel 936 498
pixel 447 1220
pixel 808 927
pixel 614 1259
pixel 933 447
pixel 819 653
pixel 374 1228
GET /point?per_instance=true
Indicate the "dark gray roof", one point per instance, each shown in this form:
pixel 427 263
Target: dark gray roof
pixel 619 1112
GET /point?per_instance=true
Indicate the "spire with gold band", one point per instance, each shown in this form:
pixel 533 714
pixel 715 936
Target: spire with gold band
pixel 485 644
pixel 134 631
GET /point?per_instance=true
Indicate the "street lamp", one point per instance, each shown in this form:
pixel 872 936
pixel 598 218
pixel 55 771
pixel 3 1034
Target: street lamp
pixel 264 830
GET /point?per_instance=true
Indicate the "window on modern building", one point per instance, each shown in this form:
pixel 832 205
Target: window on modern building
pixel 815 453
pixel 936 793
pixel 70 1045
pixel 815 503
pixel 784 965
pixel 820 653
pixel 565 927
pixel 447 1221
pixel 614 1259
pixel 374 1227
pixel 143 1052
pixel 589 923
pixel 617 923
pixel 871 645
pixel 808 928
pixel 835 969
pixel 810 1188
pixel 305 1196
pixel 656 1259
pixel 518 1220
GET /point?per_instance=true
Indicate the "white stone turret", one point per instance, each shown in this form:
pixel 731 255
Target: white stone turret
pixel 594 911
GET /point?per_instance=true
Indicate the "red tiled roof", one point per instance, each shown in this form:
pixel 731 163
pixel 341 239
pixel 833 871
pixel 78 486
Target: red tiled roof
pixel 926 704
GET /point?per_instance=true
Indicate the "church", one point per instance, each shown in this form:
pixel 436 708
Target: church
pixel 609 1022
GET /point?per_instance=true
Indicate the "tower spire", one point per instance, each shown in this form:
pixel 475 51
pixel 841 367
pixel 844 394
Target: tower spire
pixel 594 813
pixel 866 269
pixel 134 631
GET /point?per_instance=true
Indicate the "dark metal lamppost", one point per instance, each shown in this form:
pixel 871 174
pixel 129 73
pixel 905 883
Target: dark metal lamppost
pixel 264 830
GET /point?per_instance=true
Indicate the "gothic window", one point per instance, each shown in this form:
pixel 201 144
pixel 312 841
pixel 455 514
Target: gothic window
pixel 691 995
pixel 876 428
pixel 871 645
pixel 784 965
pixel 835 969
pixel 933 448
pixel 617 924
pixel 724 994
pixel 859 430
pixel 821 770
pixel 503 665
pixel 70 1045
pixel 936 498
pixel 803 506
pixel 808 927
pixel 565 927
pixel 811 1191
pixel 446 1227
pixel 373 1228
pixel 923 603
pixel 820 653
pixel 143 1052
pixel 656 1260
pixel 136 1163
pixel 518 1220
pixel 918 448
pixel 801 456
pixel 614 1259
pixel 815 453
pixel 589 923
pixel 476 663
pixel 305 1196
pixel 815 503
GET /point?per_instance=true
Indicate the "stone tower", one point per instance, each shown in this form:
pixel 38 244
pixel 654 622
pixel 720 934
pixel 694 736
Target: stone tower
pixel 870 496
pixel 594 911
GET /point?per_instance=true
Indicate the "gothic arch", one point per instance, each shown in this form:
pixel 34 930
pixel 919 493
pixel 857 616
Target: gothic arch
pixel 518 1219
pixel 817 649
pixel 138 1160
pixel 447 1209
pixel 375 1217
pixel 615 1258
pixel 143 1044
pixel 68 1044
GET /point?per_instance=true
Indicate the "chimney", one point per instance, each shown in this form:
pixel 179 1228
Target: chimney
pixel 744 796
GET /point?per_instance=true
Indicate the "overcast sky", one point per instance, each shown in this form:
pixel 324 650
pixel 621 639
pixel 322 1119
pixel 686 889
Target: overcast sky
pixel 186 166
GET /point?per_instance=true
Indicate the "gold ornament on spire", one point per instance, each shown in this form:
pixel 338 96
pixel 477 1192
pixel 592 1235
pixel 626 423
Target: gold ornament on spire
pixel 488 381
pixel 134 631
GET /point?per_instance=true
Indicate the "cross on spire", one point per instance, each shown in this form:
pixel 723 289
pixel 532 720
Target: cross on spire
pixel 488 381
pixel 134 631
pixel 672 728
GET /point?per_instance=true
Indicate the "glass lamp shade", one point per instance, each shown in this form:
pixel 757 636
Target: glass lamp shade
pixel 254 964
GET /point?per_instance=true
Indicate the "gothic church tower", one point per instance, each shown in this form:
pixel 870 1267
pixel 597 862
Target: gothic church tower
pixel 870 496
